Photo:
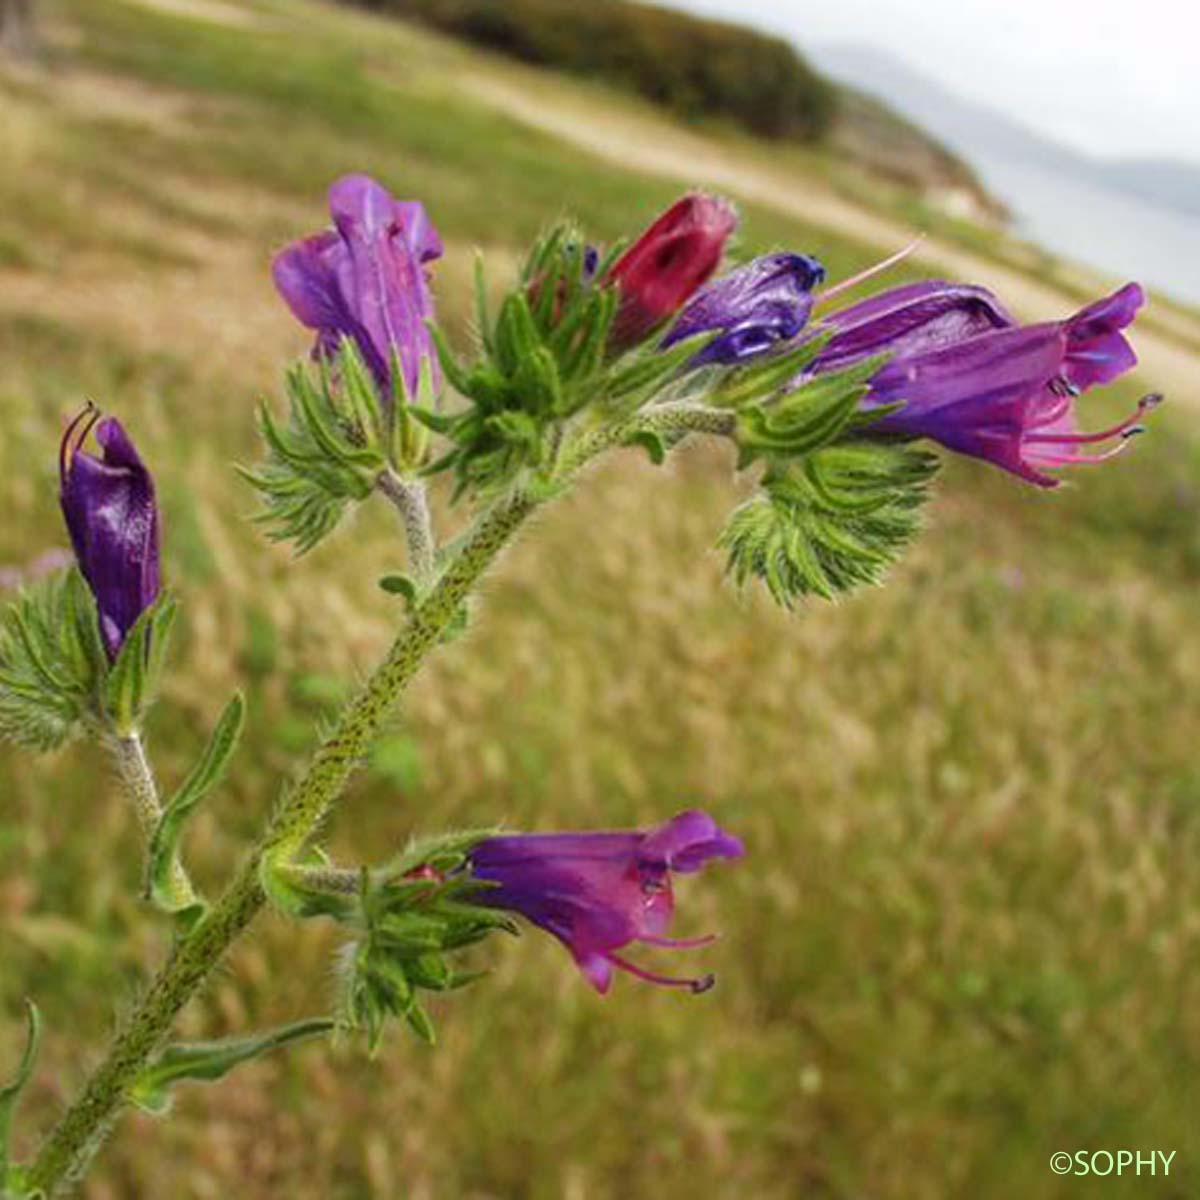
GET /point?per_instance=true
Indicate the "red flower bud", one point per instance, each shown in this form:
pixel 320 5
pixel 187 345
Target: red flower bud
pixel 661 270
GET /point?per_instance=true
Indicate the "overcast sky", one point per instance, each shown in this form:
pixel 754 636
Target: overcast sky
pixel 1113 77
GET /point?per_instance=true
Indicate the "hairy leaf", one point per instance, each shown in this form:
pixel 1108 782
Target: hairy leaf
pixel 829 524
pixel 10 1092
pixel 204 776
pixel 207 1061
pixel 52 663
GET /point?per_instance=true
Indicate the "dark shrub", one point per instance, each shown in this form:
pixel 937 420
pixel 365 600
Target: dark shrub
pixel 696 67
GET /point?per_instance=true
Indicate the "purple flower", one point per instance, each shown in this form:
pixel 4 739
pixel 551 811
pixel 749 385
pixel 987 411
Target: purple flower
pixel 966 376
pixel 365 279
pixel 598 892
pixel 910 319
pixel 112 517
pixel 752 309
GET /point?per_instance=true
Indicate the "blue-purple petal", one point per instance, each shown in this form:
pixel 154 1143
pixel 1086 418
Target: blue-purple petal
pixel 908 320
pixel 112 516
pixel 1097 350
pixel 366 280
pixel 752 309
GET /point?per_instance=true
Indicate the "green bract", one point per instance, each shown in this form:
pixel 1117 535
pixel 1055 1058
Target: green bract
pixel 406 917
pixel 203 1062
pixel 543 361
pixel 55 677
pixel 10 1094
pixel 328 456
pixel 835 519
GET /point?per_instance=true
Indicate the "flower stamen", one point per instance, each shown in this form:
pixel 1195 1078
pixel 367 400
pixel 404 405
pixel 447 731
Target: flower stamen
pixel 869 273
pixel 657 939
pixel 88 415
pixel 703 983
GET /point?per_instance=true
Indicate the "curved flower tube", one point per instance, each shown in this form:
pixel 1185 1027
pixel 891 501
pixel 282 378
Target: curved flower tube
pixel 599 892
pixel 366 279
pixel 112 516
pixel 909 319
pixel 1008 395
pixel 752 309
pixel 668 262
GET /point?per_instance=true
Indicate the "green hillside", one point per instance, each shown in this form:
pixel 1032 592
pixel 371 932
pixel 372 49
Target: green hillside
pixel 964 936
pixel 710 70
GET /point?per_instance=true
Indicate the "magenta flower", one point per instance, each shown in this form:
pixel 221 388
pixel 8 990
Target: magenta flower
pixel 112 517
pixel 366 279
pixel 598 892
pixel 668 262
pixel 752 309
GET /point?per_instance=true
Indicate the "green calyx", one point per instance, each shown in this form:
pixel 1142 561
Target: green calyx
pixel 540 363
pixel 407 918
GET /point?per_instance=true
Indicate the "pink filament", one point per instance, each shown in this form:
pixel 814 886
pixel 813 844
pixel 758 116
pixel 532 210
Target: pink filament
pixel 702 984
pixel 654 939
pixel 1049 458
pixel 878 269
pixel 1121 429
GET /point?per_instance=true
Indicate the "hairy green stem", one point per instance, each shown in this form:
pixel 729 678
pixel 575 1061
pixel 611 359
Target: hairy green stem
pixel 85 1125
pixel 413 506
pixel 137 778
pixel 672 422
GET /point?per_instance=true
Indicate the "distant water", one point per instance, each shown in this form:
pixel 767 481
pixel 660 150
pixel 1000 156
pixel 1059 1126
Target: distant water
pixel 1117 233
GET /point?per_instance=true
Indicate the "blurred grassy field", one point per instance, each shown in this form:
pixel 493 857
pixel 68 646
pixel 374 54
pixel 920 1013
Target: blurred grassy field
pixel 966 934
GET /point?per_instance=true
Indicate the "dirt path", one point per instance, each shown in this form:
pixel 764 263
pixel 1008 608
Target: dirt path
pixel 659 148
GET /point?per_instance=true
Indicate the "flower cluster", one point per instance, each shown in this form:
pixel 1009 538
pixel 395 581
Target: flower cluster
pixel 954 367
pixel 790 376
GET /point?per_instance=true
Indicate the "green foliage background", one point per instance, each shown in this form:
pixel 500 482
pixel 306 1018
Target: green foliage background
pixel 965 935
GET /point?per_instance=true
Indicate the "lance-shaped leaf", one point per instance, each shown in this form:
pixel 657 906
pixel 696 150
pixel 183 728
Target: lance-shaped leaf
pixel 204 1062
pixel 10 1092
pixel 204 776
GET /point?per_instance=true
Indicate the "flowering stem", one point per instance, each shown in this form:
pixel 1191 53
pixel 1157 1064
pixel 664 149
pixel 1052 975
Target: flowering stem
pixel 413 506
pixel 669 421
pixel 88 1121
pixel 137 777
